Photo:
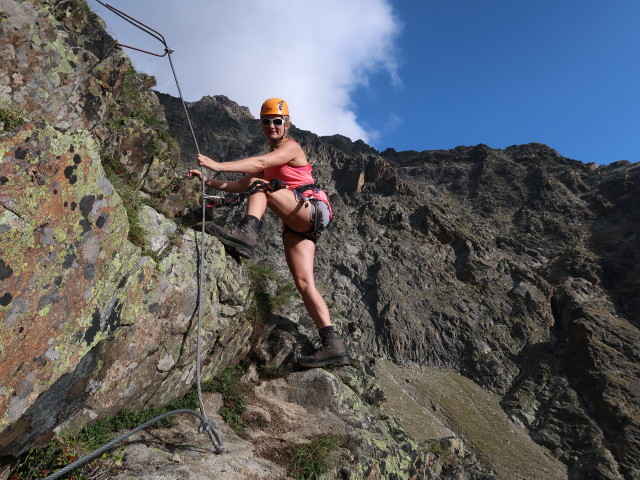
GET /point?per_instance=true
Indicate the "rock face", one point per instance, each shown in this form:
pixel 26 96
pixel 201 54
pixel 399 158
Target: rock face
pixel 63 68
pixel 89 321
pixel 517 268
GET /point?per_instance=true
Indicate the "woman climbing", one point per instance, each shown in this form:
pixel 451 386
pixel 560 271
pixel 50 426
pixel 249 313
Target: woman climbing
pixel 303 208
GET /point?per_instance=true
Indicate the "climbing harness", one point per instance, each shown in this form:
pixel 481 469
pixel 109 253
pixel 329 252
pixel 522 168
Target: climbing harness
pixel 299 191
pixel 205 424
pixel 232 199
pixel 320 215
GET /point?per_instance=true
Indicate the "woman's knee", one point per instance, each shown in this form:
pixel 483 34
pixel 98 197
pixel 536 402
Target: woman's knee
pixel 303 284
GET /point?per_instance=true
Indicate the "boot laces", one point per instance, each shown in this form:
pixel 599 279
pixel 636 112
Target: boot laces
pixel 319 345
pixel 239 225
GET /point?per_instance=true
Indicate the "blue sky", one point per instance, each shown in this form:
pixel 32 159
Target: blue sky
pixel 563 73
pixel 413 75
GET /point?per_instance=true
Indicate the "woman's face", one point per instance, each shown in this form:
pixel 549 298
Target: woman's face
pixel 271 130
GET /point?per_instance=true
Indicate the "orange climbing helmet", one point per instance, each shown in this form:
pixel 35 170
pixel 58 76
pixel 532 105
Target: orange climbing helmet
pixel 274 106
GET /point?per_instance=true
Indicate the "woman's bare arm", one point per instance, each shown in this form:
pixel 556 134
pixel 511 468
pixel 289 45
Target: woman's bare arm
pixel 234 186
pixel 289 153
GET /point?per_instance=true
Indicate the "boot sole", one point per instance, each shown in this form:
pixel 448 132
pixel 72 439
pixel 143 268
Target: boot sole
pixel 340 361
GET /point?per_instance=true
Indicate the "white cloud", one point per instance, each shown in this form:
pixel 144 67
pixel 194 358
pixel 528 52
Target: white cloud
pixel 312 54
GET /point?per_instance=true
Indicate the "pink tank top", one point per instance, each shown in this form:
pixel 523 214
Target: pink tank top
pixel 296 177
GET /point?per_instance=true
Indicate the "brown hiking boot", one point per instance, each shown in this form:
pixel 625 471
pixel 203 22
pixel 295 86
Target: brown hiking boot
pixel 241 237
pixel 332 353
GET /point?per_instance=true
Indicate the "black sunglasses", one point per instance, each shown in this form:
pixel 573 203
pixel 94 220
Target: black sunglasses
pixel 268 121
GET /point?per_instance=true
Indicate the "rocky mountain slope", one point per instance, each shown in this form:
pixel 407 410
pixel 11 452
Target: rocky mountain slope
pixel 516 267
pixel 489 297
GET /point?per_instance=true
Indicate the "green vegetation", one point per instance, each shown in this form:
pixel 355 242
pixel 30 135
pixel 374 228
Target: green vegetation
pixel 62 11
pixel 234 404
pixel 310 460
pixel 441 450
pixel 43 461
pixel 59 453
pixel 134 112
pixel 269 372
pixel 265 303
pixel 138 105
pixel 131 88
pixel 126 186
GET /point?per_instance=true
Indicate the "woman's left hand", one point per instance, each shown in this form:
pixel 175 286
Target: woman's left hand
pixel 205 161
pixel 194 173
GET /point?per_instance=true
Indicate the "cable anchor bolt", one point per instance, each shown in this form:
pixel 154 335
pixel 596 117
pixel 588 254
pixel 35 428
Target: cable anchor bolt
pixel 204 426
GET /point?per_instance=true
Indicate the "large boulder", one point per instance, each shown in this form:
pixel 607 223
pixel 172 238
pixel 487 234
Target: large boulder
pixel 88 323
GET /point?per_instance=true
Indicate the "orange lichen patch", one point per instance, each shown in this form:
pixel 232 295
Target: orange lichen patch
pixel 63 225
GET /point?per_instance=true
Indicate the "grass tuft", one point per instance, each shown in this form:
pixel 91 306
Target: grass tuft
pixel 10 118
pixel 264 302
pixel 309 461
pixel 271 372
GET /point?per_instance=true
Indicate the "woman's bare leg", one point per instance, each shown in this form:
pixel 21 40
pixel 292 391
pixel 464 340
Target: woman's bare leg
pixel 300 254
